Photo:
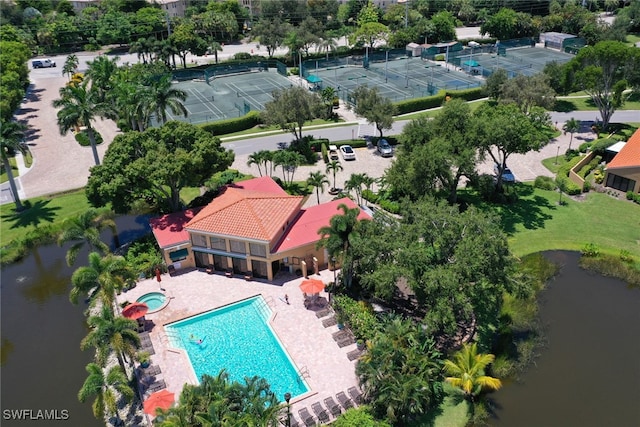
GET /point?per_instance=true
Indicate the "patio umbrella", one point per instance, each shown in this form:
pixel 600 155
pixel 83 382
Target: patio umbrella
pixel 135 311
pixel 161 399
pixel 471 63
pixel 312 286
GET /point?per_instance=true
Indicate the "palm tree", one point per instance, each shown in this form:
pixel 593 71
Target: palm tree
pixel 215 47
pixel 337 236
pixel 289 161
pixel 256 159
pixel 317 180
pixel 328 44
pixel 572 126
pixel 12 140
pixel 100 72
pixel 355 182
pixel 86 228
pixel 70 65
pixel 106 389
pixel 109 333
pixel 80 106
pixel 163 95
pixel 100 279
pixel 467 372
pixel 334 166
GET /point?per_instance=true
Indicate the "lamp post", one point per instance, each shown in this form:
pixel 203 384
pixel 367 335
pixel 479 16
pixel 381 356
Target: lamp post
pixel 333 261
pixel 287 398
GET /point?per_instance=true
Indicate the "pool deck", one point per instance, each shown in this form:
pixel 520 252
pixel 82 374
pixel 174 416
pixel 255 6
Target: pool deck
pixel 308 343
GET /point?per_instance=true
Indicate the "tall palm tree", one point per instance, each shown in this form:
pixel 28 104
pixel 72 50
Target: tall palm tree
pixel 215 47
pixel 12 140
pixel 317 180
pixel 100 73
pixel 289 161
pixel 337 236
pixel 328 44
pixel 100 279
pixel 106 389
pixel 86 228
pixel 70 65
pixel 257 159
pixel 334 166
pixel 572 126
pixel 164 96
pixel 355 182
pixel 466 372
pixel 110 333
pixel 79 107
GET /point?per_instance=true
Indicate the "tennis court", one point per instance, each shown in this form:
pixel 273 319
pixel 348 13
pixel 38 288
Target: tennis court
pixel 519 60
pixel 228 96
pixel 400 79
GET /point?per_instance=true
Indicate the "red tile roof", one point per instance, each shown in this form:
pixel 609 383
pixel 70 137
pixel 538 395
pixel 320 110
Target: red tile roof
pixel 629 156
pixel 247 214
pixel 265 184
pixel 169 229
pixel 305 228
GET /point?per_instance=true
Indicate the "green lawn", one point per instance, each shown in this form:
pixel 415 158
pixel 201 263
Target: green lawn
pixel 14 169
pixel 586 104
pixel 43 210
pixel 259 130
pixel 632 39
pixel 537 223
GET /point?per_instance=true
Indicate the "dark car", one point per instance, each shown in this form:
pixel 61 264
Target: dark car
pixel 384 148
pixel 507 175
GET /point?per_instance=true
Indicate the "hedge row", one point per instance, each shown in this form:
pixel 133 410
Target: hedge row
pixel 563 181
pixel 358 315
pixel 224 127
pixel 582 173
pixel 633 196
pixel 434 101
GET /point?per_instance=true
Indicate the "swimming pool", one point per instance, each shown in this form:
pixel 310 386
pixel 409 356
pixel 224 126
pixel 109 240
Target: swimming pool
pixel 154 300
pixel 239 339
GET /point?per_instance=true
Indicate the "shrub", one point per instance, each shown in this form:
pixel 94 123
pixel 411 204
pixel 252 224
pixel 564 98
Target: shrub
pixel 562 178
pixel 590 250
pixel 544 183
pixel 570 154
pixel 610 265
pixel 83 138
pixel 625 256
pixel 389 206
pixel 586 187
pixel 584 147
pixel 485 186
pixel 419 104
pixel 601 145
pixel 294 71
pixel 370 196
pixel 598 176
pixel 304 148
pixel 629 195
pixel 242 55
pixel 224 127
pixel 582 173
pixel 439 57
pixel 358 315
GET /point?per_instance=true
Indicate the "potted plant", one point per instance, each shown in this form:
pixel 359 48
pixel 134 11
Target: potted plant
pixel 144 358
pixel 360 344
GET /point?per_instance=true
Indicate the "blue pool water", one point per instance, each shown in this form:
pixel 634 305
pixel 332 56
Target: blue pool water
pixel 154 300
pixel 239 339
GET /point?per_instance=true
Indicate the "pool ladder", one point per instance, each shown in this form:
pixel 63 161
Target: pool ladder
pixel 171 338
pixel 303 373
pixel 267 306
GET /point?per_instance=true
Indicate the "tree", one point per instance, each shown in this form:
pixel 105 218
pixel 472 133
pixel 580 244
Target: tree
pixel 508 24
pixel 292 107
pixel 184 39
pixel 70 65
pixel 572 126
pixel 79 107
pixel 328 96
pixel 400 372
pixel 467 372
pixel 444 26
pixel 373 107
pixel 217 401
pixel 289 161
pixel 106 389
pixel 528 91
pixel 12 140
pixel 163 95
pixel 100 280
pixel 101 73
pixel 155 165
pixel 602 71
pixel 337 236
pixel 110 333
pixel 85 228
pixel 502 130
pixel 495 82
pixel 271 33
pixel 334 166
pixel 318 181
pixel 113 27
pixel 355 182
pixel 256 159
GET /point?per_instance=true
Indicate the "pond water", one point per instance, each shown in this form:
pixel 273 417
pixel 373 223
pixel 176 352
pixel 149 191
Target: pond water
pixel 42 365
pixel 589 372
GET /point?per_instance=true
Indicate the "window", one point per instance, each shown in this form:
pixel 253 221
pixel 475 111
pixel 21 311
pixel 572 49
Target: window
pixel 178 255
pixel 620 183
pixel 258 250
pixel 218 243
pixel 199 240
pixel 238 247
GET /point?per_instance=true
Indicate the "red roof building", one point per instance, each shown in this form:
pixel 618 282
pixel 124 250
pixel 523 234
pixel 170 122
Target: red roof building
pixel 253 228
pixel 623 172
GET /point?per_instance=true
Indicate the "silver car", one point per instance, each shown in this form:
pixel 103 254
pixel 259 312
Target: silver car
pixel 384 148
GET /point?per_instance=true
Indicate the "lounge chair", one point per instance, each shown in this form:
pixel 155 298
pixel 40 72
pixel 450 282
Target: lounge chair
pixel 333 407
pixel 323 313
pixel 293 422
pixel 152 370
pixel 341 334
pixel 156 386
pixel 306 417
pixel 320 412
pixel 345 341
pixel 344 400
pixel 329 322
pixel 355 394
pixel 354 354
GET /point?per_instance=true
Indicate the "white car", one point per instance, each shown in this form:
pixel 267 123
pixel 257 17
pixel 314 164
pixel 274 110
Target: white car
pixel 347 152
pixel 43 63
